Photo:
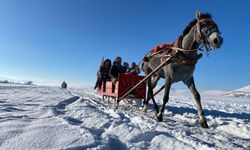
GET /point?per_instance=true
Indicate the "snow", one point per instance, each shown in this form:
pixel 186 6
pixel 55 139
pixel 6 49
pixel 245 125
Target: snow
pixel 242 92
pixel 40 117
pixel 246 89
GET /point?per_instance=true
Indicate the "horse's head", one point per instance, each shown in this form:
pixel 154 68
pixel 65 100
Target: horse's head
pixel 208 31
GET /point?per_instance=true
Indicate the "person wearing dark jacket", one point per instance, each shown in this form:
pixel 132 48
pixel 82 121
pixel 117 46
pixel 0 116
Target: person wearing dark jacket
pixel 126 65
pixel 115 70
pixel 134 69
pixel 64 85
pixel 103 74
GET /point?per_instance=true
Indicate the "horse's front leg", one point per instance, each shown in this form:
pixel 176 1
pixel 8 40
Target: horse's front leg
pixel 191 85
pixel 152 82
pixel 145 102
pixel 150 95
pixel 165 99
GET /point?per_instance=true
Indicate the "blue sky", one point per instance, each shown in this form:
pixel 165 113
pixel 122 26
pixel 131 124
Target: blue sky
pixel 56 40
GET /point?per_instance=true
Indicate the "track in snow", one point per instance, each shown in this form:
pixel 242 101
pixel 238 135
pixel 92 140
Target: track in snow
pixel 52 118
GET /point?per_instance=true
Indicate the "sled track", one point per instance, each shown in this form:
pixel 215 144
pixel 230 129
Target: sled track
pixel 180 125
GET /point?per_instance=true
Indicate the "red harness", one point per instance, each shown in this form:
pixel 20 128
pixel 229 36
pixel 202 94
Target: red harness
pixel 163 47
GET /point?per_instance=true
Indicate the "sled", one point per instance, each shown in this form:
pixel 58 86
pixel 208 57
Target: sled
pixel 124 84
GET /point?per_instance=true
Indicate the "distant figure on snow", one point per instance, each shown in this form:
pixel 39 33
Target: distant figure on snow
pixel 64 85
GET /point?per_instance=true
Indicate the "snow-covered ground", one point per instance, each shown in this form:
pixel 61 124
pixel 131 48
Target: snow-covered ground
pixel 37 117
pixel 242 92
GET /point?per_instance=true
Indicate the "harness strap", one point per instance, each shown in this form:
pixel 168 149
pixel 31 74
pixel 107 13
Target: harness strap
pixel 178 42
pixel 185 50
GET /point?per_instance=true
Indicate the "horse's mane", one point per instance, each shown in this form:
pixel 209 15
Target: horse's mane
pixel 194 21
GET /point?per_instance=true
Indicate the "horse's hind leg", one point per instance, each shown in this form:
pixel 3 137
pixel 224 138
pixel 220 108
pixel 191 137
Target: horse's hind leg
pixel 191 85
pixel 165 99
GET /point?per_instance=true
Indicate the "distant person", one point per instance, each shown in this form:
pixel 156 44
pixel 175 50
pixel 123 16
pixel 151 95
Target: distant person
pixel 134 69
pixel 64 85
pixel 103 74
pixel 126 65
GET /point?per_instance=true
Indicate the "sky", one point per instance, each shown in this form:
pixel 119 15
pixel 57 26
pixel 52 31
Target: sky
pixel 51 41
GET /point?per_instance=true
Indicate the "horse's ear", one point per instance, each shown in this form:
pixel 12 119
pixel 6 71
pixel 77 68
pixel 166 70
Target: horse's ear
pixel 198 15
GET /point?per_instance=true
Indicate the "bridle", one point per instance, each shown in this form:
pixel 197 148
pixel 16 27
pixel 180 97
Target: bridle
pixel 204 37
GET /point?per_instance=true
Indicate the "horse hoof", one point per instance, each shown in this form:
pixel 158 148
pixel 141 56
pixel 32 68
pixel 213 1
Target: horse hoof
pixel 159 119
pixel 116 106
pixel 143 110
pixel 204 124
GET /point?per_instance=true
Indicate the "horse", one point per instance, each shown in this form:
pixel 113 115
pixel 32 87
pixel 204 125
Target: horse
pixel 200 32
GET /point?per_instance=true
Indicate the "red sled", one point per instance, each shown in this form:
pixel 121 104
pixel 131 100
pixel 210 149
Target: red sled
pixel 125 82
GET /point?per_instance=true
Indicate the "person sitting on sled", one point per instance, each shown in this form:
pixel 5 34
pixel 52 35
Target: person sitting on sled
pixel 134 69
pixel 103 73
pixel 126 65
pixel 116 69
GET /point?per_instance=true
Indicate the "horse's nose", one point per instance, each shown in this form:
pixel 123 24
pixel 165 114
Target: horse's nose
pixel 216 41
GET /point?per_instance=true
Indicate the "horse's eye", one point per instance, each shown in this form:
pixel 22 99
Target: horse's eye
pixel 204 29
pixel 203 25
